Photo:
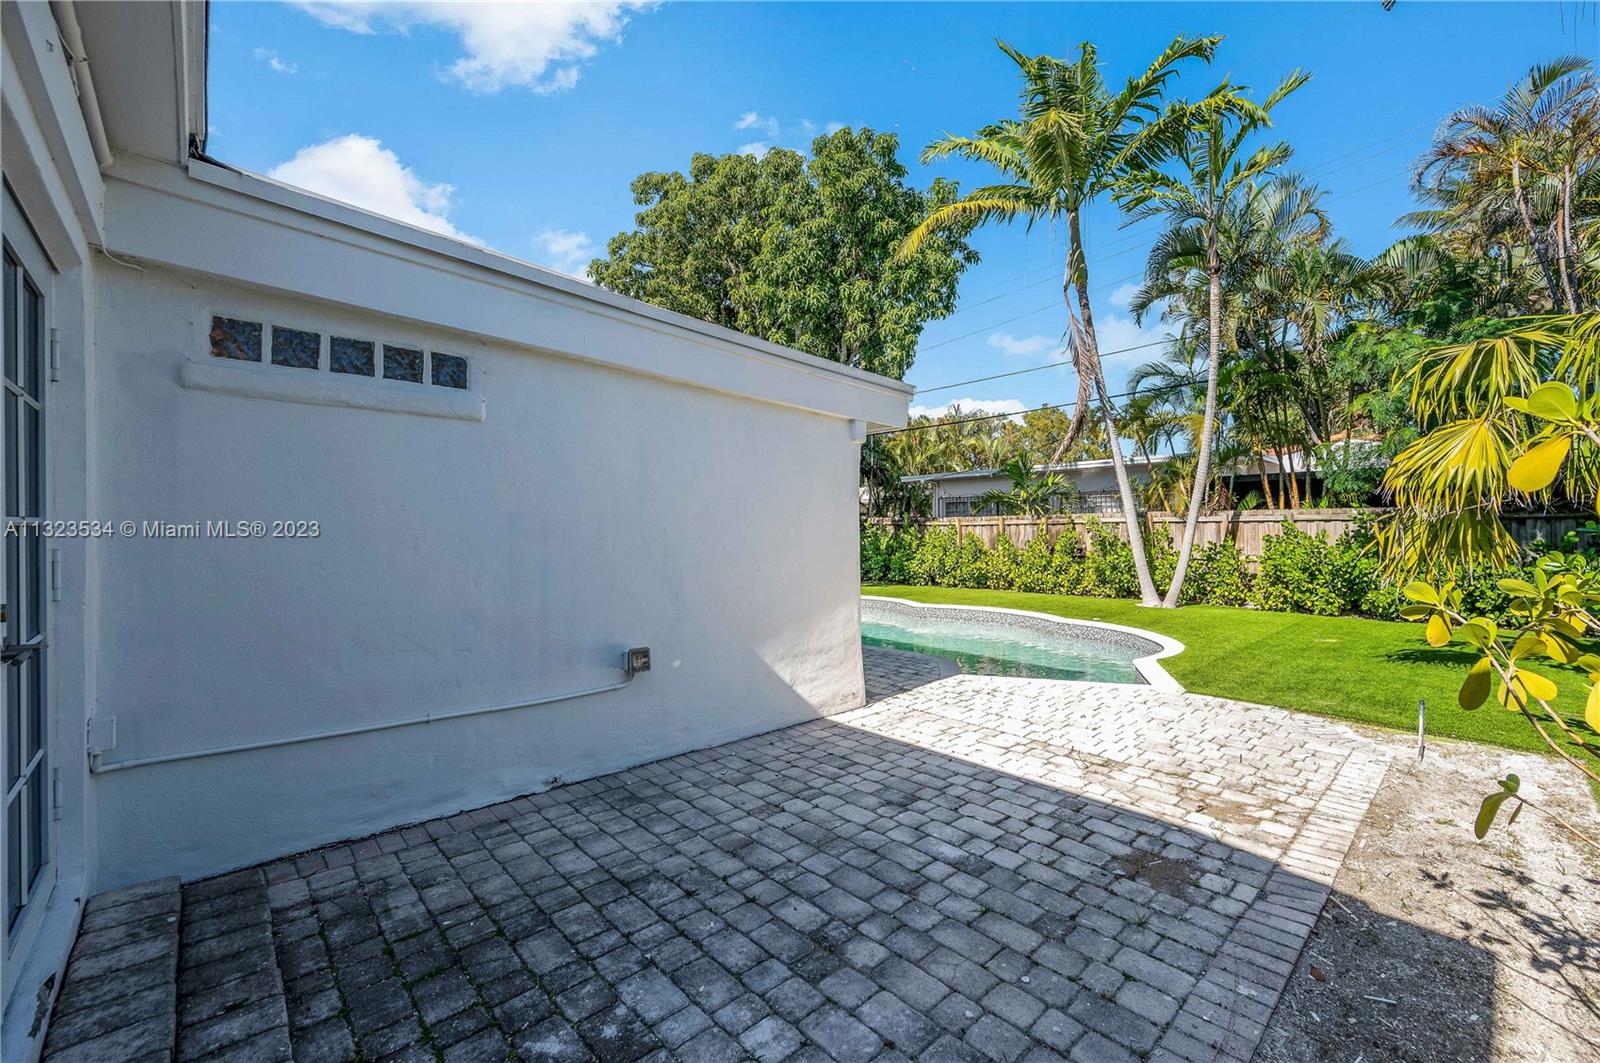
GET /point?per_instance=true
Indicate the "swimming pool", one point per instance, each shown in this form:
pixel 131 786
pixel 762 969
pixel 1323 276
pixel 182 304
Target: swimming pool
pixel 985 641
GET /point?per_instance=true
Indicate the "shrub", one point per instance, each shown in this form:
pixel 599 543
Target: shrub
pixel 1067 562
pixel 1036 568
pixel 970 568
pixel 1162 557
pixel 1219 574
pixel 1108 565
pixel 1002 564
pixel 886 553
pixel 1298 574
pixel 933 562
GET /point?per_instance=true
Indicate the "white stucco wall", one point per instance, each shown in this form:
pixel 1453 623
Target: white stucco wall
pixel 460 563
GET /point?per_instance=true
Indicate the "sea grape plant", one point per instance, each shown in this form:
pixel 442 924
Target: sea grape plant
pixel 1553 618
pixel 1515 416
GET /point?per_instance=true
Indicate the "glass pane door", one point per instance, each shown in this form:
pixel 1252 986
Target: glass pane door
pixel 22 632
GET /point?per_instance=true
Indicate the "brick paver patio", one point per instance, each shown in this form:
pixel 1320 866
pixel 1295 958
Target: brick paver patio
pixel 968 868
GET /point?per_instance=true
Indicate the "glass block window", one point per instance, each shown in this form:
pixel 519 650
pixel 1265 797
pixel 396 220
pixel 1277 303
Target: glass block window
pixel 402 363
pixel 351 356
pixel 232 338
pixel 296 347
pixel 449 370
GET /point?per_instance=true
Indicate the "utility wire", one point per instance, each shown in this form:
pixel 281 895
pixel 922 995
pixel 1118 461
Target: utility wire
pixel 1054 303
pixel 1058 364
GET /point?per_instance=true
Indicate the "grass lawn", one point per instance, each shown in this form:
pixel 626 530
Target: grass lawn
pixel 1367 671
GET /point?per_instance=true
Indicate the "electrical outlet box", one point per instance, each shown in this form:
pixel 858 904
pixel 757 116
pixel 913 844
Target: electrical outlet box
pixel 102 733
pixel 638 661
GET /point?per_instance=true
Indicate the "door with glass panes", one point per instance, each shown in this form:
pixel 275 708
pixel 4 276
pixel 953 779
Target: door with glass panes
pixel 25 863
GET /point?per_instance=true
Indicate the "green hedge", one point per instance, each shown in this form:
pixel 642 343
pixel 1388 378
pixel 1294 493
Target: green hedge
pixel 1297 572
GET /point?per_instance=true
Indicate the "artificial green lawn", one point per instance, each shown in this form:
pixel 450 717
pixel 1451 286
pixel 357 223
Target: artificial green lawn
pixel 1367 671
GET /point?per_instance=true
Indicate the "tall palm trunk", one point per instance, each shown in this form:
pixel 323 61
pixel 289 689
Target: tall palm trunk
pixel 1533 237
pixel 1202 469
pixel 1078 273
pixel 1564 233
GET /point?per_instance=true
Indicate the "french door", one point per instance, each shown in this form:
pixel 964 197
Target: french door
pixel 25 862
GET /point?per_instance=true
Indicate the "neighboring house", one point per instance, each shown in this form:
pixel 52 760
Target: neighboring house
pixel 956 494
pixel 478 483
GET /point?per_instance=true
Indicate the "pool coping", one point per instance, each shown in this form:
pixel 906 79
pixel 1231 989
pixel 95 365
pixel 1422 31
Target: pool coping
pixel 1149 667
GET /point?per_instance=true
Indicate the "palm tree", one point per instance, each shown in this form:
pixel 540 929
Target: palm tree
pixel 1073 141
pixel 1539 134
pixel 1030 493
pixel 1215 175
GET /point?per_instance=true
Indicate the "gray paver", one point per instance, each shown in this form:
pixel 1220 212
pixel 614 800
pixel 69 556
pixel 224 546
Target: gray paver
pixel 969 867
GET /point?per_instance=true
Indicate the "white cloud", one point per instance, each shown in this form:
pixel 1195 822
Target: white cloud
pixel 1022 345
pixel 801 134
pixel 754 120
pixel 274 61
pixel 969 406
pixel 566 251
pixel 1122 298
pixel 540 46
pixel 362 172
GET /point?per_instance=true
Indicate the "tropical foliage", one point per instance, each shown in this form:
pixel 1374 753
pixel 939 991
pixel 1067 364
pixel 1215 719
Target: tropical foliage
pixel 797 250
pixel 1031 494
pixel 1073 140
pixel 1516 416
pixel 1291 350
pixel 957 441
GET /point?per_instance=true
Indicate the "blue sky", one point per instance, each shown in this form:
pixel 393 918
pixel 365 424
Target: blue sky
pixel 522 129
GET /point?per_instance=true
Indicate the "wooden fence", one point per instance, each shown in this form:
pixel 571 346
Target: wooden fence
pixel 1247 527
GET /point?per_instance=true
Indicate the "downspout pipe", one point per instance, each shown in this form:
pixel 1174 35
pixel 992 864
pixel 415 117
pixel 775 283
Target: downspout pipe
pixel 100 766
pixel 66 17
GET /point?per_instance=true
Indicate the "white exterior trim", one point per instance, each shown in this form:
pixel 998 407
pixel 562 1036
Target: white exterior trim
pixel 1149 668
pixel 316 388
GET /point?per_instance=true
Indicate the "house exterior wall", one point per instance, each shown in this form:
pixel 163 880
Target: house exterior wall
pixel 460 563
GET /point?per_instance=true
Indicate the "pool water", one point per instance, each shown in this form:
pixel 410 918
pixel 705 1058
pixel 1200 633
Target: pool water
pixel 985 647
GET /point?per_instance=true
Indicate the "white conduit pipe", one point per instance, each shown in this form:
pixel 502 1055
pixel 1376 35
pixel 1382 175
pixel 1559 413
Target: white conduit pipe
pixel 100 767
pixel 88 102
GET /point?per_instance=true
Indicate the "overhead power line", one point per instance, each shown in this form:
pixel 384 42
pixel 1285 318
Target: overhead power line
pixel 1034 369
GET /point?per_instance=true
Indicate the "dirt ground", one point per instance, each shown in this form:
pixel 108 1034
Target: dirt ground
pixel 1436 946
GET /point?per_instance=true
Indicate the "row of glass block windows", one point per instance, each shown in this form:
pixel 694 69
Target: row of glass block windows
pixel 244 341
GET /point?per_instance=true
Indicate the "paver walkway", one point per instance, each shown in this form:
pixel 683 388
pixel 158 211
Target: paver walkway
pixel 969 867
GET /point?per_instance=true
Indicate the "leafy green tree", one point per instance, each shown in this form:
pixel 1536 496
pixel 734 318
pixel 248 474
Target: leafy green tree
pixel 796 250
pixel 1042 430
pixel 1031 494
pixel 1072 141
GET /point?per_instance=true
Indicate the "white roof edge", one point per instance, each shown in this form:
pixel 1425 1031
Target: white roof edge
pixel 287 196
